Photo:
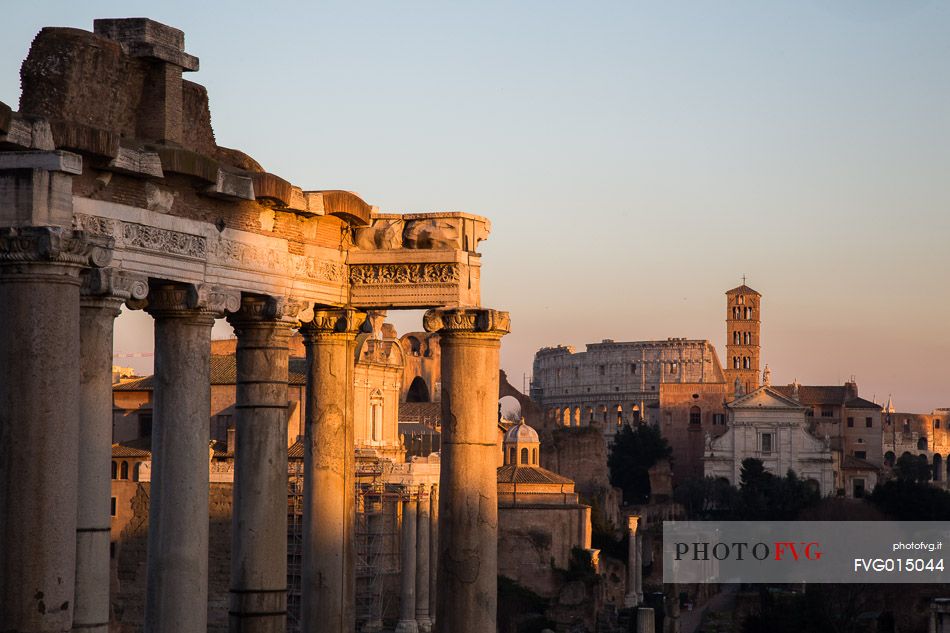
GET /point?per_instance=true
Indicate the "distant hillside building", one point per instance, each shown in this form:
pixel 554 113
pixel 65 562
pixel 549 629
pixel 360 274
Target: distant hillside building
pixel 773 428
pixel 612 383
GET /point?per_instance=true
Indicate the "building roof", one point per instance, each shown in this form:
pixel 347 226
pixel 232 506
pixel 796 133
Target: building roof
pixel 743 289
pixel 223 372
pixel 296 450
pixel 812 395
pixel 513 474
pixel 851 462
pixel 119 450
pixel 861 403
pixel 522 433
pixel 420 412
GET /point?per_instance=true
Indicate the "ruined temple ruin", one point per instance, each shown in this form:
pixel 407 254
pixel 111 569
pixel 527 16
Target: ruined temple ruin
pixel 114 194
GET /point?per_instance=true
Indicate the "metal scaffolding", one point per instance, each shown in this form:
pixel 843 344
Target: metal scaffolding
pixel 378 565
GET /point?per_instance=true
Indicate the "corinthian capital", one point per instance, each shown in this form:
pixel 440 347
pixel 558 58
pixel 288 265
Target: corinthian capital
pixel 53 244
pixel 344 321
pixel 169 298
pixel 111 283
pixel 448 321
pixel 268 308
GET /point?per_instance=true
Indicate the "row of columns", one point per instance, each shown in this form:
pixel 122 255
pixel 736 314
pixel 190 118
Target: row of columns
pixel 418 557
pixel 55 451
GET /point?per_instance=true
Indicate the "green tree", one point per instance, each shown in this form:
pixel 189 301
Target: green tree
pixel 913 468
pixel 908 500
pixel 634 451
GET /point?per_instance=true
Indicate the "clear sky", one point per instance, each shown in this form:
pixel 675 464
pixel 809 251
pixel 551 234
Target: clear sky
pixel 635 158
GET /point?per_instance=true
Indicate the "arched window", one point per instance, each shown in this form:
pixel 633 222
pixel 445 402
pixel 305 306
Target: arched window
pixel 938 467
pixel 735 338
pixel 418 390
pixel 735 362
pixel 124 470
pixel 695 415
pixel 511 456
pixel 534 459
pixel 922 444
pixel 889 458
pixel 524 456
pixel 414 345
pixel 115 470
pixel 745 362
pixel 136 471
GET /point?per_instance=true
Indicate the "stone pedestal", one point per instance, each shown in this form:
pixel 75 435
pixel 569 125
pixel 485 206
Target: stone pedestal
pixel 39 424
pixel 631 597
pixel 258 597
pixel 176 598
pixel 103 292
pixel 422 563
pixel 645 620
pixel 407 557
pixel 328 583
pixel 468 496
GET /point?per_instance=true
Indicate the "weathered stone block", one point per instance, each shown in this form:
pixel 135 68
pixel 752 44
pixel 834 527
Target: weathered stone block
pixel 231 185
pixel 142 37
pixel 136 162
pixel 36 188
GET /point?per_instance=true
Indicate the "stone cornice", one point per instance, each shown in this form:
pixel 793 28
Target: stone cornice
pixel 450 321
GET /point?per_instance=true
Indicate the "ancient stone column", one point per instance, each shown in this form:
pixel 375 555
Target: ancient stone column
pixel 468 488
pixel 407 557
pixel 39 411
pixel 258 597
pixel 103 292
pixel 328 577
pixel 639 566
pixel 176 599
pixel 645 620
pixel 631 596
pixel 422 562
pixel 433 551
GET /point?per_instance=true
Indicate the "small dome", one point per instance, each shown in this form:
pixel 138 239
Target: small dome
pixel 522 433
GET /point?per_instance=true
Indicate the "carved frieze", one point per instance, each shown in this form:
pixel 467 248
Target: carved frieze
pixel 143 237
pixel 385 274
pixel 225 252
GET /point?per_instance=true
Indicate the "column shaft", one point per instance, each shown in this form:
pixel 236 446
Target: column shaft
pixel 258 597
pixel 96 319
pixel 422 563
pixel 630 598
pixel 433 551
pixel 177 562
pixel 39 434
pixel 407 556
pixel 468 489
pixel 328 583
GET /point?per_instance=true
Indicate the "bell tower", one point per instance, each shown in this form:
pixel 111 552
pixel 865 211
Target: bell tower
pixel 743 325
